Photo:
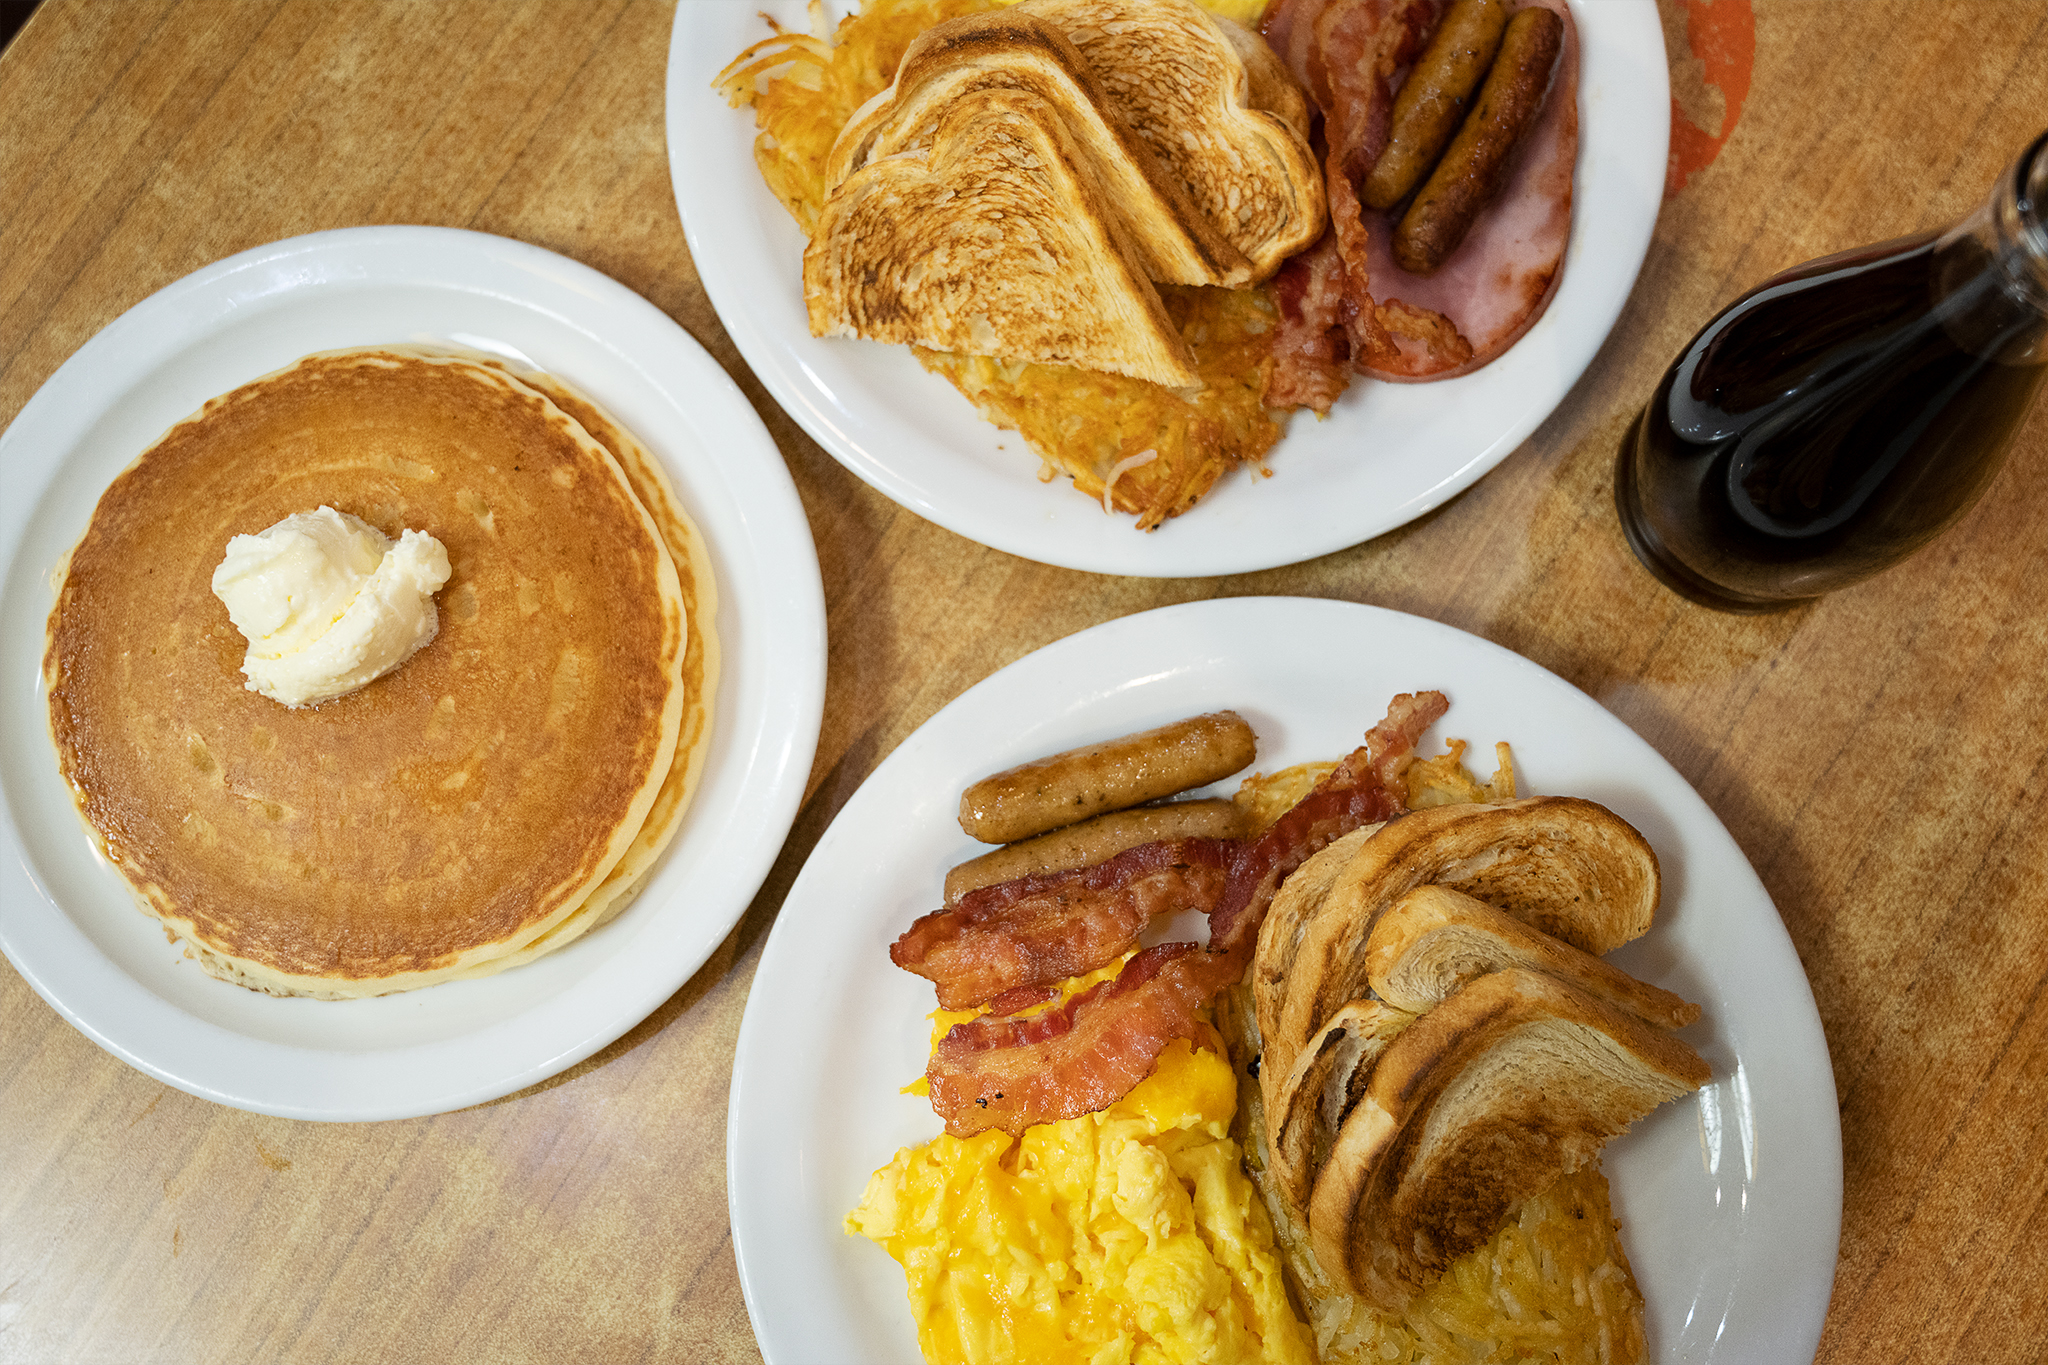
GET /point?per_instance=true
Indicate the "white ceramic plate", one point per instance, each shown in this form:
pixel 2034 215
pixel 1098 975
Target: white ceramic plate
pixel 66 921
pixel 1387 453
pixel 1730 1201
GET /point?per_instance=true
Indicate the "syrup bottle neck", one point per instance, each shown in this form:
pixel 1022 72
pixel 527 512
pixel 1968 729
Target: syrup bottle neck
pixel 1991 276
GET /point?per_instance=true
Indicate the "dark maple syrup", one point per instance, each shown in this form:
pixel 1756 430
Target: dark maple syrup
pixel 1841 415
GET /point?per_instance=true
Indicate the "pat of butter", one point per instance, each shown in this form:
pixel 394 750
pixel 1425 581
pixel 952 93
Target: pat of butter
pixel 328 603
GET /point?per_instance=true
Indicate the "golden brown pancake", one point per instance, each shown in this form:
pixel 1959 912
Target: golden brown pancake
pixel 699 588
pixel 442 820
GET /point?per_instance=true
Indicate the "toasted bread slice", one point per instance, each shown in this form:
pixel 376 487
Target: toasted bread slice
pixel 1514 1080
pixel 964 60
pixel 1435 939
pixel 1269 84
pixel 1299 900
pixel 1577 1290
pixel 996 240
pixel 1569 867
pixel 1325 1084
pixel 1199 90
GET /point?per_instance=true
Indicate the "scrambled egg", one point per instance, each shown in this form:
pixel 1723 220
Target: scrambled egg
pixel 1129 1235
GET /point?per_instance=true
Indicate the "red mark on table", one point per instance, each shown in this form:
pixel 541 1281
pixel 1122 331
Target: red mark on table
pixel 1721 36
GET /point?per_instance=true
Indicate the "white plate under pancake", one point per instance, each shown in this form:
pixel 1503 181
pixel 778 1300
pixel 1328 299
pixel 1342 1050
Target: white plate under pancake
pixel 66 921
pixel 1730 1200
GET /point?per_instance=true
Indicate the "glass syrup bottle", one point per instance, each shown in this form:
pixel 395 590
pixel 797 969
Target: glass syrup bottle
pixel 1841 415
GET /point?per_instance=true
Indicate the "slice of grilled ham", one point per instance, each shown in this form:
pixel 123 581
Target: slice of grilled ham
pixel 1435 939
pixel 967 60
pixel 1512 1081
pixel 1216 106
pixel 996 238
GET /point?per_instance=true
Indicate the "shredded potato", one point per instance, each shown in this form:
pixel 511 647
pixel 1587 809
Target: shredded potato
pixel 1265 798
pixel 803 89
pixel 1443 781
pixel 1085 424
pixel 1553 1287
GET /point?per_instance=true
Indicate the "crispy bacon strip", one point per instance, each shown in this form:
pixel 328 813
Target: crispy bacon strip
pixel 1289 29
pixel 1359 46
pixel 1392 742
pixel 1037 930
pixel 1020 999
pixel 1078 1057
pixel 1433 343
pixel 1362 789
pixel 1344 52
pixel 1086 1054
pixel 1311 349
pixel 1369 342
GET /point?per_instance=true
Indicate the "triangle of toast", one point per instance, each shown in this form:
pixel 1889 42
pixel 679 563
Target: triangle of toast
pixel 969 58
pixel 1434 939
pixel 995 237
pixel 1217 108
pixel 1515 1079
pixel 1567 866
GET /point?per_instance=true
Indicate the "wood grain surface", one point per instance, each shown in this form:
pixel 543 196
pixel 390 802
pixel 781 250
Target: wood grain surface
pixel 1881 756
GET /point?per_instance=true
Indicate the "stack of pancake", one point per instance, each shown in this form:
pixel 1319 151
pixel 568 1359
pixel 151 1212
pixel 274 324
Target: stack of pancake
pixel 503 791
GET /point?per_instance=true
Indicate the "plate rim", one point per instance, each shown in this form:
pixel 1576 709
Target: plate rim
pixel 1249 533
pixel 566 299
pixel 1794 1012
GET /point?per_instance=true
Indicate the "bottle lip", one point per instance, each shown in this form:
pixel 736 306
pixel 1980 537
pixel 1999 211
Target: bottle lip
pixel 2022 209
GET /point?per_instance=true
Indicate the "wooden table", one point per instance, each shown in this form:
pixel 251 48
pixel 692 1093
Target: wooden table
pixel 1881 756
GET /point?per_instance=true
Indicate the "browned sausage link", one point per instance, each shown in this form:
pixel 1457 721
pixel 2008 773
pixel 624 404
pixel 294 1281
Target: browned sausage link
pixel 1477 163
pixel 1094 841
pixel 1065 788
pixel 1435 97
